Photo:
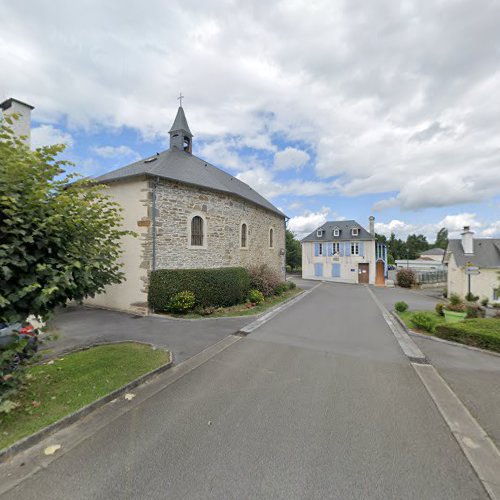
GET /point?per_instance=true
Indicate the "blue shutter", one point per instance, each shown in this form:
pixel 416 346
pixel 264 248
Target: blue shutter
pixel 330 249
pixel 335 270
pixel 342 249
pixel 348 248
pixel 316 249
pixel 362 248
pixel 318 269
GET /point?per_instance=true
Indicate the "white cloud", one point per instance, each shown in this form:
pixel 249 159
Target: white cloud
pixel 290 158
pixel 48 135
pixel 118 152
pixel 304 224
pixel 492 230
pixel 413 112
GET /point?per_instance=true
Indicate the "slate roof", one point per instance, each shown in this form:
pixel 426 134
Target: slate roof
pixel 177 165
pixel 486 253
pixel 433 251
pixel 180 122
pixel 345 227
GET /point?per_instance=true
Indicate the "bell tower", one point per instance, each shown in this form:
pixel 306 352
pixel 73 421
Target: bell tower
pixel 180 135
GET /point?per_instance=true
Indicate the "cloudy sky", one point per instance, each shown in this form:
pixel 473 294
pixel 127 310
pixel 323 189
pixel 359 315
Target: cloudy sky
pixel 332 109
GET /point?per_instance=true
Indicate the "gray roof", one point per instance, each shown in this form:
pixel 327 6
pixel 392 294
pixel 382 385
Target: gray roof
pixel 177 165
pixel 8 103
pixel 344 226
pixel 180 122
pixel 433 251
pixel 486 253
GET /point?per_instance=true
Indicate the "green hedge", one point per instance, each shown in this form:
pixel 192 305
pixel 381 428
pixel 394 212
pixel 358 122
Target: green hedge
pixel 482 332
pixel 219 287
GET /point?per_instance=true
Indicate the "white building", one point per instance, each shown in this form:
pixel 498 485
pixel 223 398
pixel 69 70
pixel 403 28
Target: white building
pixel 344 251
pixel 470 252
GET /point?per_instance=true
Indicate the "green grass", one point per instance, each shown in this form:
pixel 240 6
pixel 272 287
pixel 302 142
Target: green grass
pixel 73 381
pixel 407 316
pixel 243 309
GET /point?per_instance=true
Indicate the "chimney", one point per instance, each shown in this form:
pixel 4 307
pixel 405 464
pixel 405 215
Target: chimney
pixel 371 220
pixel 22 126
pixel 468 241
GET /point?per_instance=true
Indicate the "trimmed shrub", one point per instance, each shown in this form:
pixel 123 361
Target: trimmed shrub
pixel 424 321
pixel 481 332
pixel 474 311
pixel 445 292
pixel 439 309
pixel 484 302
pixel 255 296
pixel 264 279
pixel 406 278
pixel 292 285
pixel 219 287
pixel 401 306
pixel 470 297
pixel 455 299
pixel 281 288
pixel 182 302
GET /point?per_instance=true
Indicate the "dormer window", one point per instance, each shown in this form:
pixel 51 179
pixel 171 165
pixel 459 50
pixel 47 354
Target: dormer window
pixel 354 231
pixel 319 233
pixel 336 232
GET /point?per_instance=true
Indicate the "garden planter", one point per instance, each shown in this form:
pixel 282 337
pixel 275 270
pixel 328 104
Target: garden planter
pixel 454 316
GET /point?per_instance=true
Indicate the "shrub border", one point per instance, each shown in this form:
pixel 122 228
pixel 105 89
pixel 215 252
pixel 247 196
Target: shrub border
pixel 29 441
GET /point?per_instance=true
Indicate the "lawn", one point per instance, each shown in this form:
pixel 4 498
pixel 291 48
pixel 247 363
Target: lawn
pixel 477 332
pixel 55 390
pixel 245 309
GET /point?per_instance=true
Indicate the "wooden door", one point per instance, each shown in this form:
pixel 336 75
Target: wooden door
pixel 363 273
pixel 380 273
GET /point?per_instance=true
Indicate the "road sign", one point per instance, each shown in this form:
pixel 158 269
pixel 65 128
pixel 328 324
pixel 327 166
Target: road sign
pixel 472 272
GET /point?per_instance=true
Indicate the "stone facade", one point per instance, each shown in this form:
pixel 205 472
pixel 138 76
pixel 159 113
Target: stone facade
pixel 223 215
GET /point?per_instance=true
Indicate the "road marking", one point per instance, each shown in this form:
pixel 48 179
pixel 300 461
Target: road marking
pixel 271 314
pixel 477 446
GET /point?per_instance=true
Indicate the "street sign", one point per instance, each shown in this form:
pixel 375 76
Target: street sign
pixel 472 273
pixel 472 270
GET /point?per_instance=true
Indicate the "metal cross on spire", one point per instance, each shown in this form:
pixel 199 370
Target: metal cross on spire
pixel 180 99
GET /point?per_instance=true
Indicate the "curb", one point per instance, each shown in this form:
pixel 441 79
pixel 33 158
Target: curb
pixel 243 332
pixel 31 440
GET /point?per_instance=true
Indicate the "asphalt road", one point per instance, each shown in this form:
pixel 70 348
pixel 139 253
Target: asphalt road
pixel 318 403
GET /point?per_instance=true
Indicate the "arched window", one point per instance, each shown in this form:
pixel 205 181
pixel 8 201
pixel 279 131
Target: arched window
pixel 243 235
pixel 197 231
pixel 271 238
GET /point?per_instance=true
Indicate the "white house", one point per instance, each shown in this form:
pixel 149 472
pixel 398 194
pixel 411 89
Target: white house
pixel 435 254
pixel 470 252
pixel 346 252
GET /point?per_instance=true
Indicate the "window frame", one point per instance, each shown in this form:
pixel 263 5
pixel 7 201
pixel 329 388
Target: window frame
pixel 204 229
pixel 320 248
pixel 336 232
pixel 354 247
pixel 336 247
pixel 353 233
pixel 319 233
pixel 271 237
pixel 247 233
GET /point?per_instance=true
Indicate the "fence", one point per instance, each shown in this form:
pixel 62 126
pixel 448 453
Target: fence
pixel 429 277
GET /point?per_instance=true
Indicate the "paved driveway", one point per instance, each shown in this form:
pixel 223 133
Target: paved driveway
pixel 318 403
pixel 417 299
pixel 81 326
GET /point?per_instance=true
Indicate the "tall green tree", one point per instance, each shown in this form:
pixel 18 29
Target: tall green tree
pixel 442 238
pixel 293 250
pixel 415 245
pixel 60 238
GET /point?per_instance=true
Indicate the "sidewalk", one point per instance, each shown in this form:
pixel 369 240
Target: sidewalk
pixel 82 326
pixel 475 378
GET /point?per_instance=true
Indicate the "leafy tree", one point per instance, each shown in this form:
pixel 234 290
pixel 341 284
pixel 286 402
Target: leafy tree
pixel 396 247
pixel 60 238
pixel 415 245
pixel 293 250
pixel 442 238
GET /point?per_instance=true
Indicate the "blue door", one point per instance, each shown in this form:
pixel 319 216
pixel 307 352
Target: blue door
pixel 335 270
pixel 318 269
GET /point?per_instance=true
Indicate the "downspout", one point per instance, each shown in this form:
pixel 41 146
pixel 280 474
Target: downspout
pixel 153 210
pixel 285 223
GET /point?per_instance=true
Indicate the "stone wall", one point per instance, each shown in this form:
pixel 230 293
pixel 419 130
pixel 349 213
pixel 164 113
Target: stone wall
pixel 223 214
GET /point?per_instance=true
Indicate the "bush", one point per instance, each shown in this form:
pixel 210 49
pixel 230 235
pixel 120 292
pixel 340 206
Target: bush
pixel 474 311
pixel 182 302
pixel 281 288
pixel 455 299
pixel 484 302
pixel 264 279
pixel 424 321
pixel 482 332
pixel 219 287
pixel 255 296
pixel 406 278
pixel 401 306
pixel 439 309
pixel 292 285
pixel 445 293
pixel 470 297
